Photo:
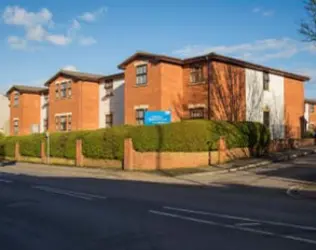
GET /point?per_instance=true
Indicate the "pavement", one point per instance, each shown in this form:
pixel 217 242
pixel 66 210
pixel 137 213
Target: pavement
pixel 72 208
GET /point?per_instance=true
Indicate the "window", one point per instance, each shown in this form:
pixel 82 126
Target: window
pixel 16 99
pixel 141 75
pixel 140 116
pixel 46 98
pixel 63 123
pixel 69 89
pixel 266 118
pixel 57 123
pixel 45 124
pixel 69 123
pixel 197 113
pixel 108 120
pixel 63 89
pixel 196 74
pixel 16 127
pixel 57 91
pixel 266 81
pixel 311 108
pixel 108 88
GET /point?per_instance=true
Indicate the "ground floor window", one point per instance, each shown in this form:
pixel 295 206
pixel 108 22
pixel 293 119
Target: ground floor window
pixel 266 118
pixel 16 127
pixel 197 113
pixel 63 122
pixel 140 116
pixel 109 120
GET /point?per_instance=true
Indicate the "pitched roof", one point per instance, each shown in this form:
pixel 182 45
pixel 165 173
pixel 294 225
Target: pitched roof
pixel 75 75
pixel 113 76
pixel 26 89
pixel 212 57
pixel 312 101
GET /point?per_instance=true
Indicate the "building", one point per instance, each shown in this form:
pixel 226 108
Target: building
pixel 213 86
pixel 4 115
pixel 28 109
pixel 310 114
pixel 70 101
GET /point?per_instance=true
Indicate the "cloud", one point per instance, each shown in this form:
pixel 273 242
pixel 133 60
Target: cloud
pixel 16 15
pixel 58 39
pixel 70 67
pixel 92 16
pixel 259 51
pixel 17 43
pixel 39 27
pixel 263 12
pixel 86 41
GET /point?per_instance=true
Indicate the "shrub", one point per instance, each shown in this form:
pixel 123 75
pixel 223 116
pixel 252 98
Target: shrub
pixel 30 145
pixel 105 143
pixel 308 134
pixel 9 145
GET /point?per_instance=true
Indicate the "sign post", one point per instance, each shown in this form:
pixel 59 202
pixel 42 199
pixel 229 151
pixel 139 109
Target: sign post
pixel 157 117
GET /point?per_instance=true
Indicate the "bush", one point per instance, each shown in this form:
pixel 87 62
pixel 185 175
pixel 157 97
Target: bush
pixel 30 145
pixel 308 134
pixel 9 145
pixel 105 143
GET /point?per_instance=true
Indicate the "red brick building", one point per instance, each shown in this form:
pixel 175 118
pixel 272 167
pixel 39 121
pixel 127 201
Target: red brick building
pixel 213 87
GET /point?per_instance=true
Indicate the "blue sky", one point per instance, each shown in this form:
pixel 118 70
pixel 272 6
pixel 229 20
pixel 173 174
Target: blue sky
pixel 37 38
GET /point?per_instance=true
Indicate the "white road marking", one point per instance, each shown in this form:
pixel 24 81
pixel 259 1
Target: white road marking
pixel 243 218
pixel 251 230
pixel 5 181
pixel 247 224
pixel 210 222
pixel 81 195
pixel 299 239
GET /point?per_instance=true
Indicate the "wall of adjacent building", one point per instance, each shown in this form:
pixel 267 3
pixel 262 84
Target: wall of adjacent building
pixel 112 104
pixel 4 115
pixel 259 100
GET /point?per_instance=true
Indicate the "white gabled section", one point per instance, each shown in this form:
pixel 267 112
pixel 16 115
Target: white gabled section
pixel 44 111
pixel 113 104
pixel 306 115
pixel 258 100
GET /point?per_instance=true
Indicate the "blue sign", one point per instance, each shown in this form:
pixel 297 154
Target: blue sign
pixel 157 117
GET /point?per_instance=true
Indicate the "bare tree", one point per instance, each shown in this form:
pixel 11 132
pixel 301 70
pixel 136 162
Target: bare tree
pixel 308 26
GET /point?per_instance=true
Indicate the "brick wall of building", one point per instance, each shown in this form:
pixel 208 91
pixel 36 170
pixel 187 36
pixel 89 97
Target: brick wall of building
pixel 146 95
pixel 293 107
pixel 27 112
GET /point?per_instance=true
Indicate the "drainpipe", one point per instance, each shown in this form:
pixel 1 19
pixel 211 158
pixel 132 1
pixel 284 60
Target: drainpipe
pixel 208 89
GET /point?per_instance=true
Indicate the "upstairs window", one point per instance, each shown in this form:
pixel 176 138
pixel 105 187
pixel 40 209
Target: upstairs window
pixel 108 88
pixel 69 89
pixel 57 91
pixel 140 116
pixel 63 89
pixel 196 74
pixel 197 113
pixel 266 81
pixel 141 75
pixel 16 98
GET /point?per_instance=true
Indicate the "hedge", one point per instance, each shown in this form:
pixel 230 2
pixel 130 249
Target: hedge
pixel 185 136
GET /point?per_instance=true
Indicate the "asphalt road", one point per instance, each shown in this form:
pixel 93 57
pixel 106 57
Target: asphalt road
pixel 86 213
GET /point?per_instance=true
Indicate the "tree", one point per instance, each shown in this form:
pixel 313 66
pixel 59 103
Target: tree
pixel 308 27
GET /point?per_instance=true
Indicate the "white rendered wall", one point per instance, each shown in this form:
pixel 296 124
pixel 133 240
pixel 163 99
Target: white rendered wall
pixel 44 112
pixel 112 104
pixel 258 100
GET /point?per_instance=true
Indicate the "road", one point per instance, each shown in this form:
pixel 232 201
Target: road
pixel 55 212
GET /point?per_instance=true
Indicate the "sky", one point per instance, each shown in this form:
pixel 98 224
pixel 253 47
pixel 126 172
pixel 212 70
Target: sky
pixel 40 37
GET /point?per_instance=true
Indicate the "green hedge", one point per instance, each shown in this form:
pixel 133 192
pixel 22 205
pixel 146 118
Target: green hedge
pixel 185 136
pixel 30 145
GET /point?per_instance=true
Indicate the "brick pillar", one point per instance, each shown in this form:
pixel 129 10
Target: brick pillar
pixel 128 154
pixel 79 155
pixel 17 152
pixel 43 153
pixel 221 147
